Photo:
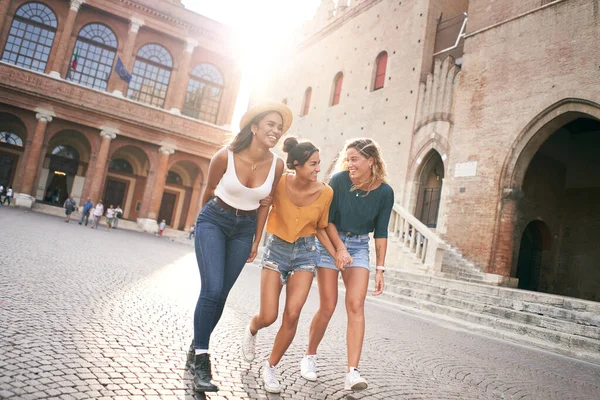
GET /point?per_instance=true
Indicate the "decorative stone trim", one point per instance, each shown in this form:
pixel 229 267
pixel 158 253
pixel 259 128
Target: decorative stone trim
pixel 108 134
pixel 75 4
pixel 166 150
pixel 43 117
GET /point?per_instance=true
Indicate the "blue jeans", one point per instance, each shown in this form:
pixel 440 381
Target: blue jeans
pixel 223 242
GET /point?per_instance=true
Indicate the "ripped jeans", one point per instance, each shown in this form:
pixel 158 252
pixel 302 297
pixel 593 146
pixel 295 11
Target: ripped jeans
pixel 287 258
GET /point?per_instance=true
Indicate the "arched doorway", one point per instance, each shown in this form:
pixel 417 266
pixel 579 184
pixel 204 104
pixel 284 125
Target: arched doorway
pixel 126 180
pixel 429 189
pixel 561 186
pixel 534 242
pixel 64 168
pixel 177 195
pixel 12 140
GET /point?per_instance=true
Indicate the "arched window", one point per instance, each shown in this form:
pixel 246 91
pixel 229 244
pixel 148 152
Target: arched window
pixel 337 88
pixel 93 56
pixel 174 177
pixel 203 95
pixel 10 138
pixel 120 165
pixel 306 103
pixel 380 67
pixel 30 37
pixel 151 75
pixel 66 152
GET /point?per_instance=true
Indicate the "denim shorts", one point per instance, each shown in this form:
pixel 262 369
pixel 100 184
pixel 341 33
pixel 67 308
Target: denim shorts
pixel 287 258
pixel 358 248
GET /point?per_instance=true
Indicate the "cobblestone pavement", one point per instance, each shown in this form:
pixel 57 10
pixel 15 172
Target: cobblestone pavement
pixel 96 314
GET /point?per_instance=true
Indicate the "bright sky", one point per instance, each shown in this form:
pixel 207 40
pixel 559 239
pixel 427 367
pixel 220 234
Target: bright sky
pixel 268 23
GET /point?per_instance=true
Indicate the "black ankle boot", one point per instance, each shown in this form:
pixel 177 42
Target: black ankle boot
pixel 189 361
pixel 202 374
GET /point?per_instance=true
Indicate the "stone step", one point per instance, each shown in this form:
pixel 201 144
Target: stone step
pixel 564 343
pixel 529 319
pixel 567 303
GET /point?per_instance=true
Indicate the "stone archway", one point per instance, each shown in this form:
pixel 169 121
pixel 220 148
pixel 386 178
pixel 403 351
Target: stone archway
pixel 553 174
pixel 428 189
pixel 13 135
pixel 126 180
pixel 64 167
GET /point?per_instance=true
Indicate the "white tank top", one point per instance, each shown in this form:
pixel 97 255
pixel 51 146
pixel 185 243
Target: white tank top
pixel 232 192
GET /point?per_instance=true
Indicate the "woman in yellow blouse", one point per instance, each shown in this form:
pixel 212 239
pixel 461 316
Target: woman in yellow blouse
pixel 300 211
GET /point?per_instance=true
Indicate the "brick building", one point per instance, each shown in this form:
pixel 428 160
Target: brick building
pixel 488 115
pixel 70 124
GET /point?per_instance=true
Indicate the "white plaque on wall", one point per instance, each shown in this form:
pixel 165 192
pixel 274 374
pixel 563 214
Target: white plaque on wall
pixel 462 170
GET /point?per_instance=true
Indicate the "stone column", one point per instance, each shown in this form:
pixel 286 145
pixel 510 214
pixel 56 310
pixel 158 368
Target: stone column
pixel 503 256
pixel 117 86
pixel 97 176
pixel 157 186
pixel 26 197
pixel 60 54
pixel 194 208
pixel 177 88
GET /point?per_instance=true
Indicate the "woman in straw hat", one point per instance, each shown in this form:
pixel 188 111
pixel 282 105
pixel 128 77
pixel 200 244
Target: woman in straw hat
pixel 362 203
pixel 230 225
pixel 300 211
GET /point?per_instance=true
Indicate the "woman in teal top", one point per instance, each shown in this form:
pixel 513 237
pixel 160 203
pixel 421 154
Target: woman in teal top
pixel 362 203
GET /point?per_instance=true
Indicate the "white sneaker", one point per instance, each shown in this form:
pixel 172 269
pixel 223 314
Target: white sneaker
pixel 248 345
pixel 270 379
pixel 308 368
pixel 354 380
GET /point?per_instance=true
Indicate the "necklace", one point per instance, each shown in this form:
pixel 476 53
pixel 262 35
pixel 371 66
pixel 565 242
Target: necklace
pixel 253 167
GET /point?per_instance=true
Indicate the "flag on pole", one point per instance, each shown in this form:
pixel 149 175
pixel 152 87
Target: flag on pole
pixel 75 58
pixel 121 71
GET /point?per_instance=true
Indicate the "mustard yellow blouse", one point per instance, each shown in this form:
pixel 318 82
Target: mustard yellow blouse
pixel 290 222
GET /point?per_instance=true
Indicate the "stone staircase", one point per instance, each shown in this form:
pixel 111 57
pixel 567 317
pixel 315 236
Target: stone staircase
pixel 426 276
pixel 560 324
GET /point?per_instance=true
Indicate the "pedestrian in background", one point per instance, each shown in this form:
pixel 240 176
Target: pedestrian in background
pixel 98 211
pixel 161 227
pixel 362 203
pixel 8 197
pixel 70 206
pixel 230 225
pixel 192 230
pixel 300 211
pixel 118 215
pixel 1 193
pixel 87 207
pixel 110 215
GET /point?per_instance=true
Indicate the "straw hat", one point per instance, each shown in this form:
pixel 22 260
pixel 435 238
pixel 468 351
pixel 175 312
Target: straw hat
pixel 282 109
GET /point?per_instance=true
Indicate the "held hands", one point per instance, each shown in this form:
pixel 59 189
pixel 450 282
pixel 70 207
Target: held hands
pixel 253 252
pixel 378 283
pixel 343 259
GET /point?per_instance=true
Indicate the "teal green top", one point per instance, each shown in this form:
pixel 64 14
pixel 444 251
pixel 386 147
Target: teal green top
pixel 354 212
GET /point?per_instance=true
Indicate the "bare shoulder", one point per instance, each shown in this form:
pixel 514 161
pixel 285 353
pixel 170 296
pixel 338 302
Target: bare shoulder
pixel 279 166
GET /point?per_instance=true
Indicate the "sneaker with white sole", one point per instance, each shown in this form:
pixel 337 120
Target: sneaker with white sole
pixel 270 379
pixel 308 367
pixel 248 345
pixel 354 381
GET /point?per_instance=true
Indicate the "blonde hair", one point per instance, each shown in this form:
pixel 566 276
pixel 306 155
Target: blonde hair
pixel 369 149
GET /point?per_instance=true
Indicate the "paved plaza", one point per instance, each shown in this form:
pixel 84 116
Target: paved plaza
pixel 96 314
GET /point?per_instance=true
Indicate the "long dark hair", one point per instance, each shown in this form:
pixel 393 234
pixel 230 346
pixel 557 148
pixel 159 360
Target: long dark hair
pixel 243 139
pixel 298 153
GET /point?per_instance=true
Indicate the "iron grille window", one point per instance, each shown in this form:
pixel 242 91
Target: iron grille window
pixel 95 49
pixel 204 91
pixel 11 138
pixel 151 75
pixel 30 37
pixel 120 165
pixel 174 177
